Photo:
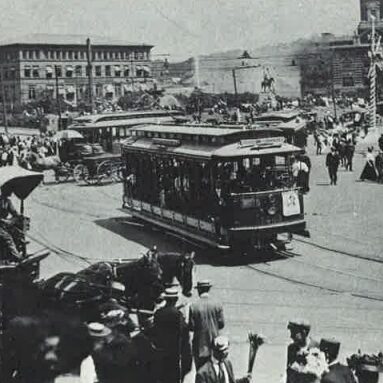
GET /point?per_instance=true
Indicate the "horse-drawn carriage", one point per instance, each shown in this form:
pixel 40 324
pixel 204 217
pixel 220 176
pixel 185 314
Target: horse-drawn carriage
pixel 82 161
pixel 16 279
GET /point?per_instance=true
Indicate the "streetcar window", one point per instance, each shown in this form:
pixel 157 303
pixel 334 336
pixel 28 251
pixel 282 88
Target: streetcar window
pixel 114 132
pixel 279 160
pixel 246 163
pixel 256 161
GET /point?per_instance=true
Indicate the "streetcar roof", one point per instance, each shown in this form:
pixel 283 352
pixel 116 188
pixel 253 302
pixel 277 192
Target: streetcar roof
pixel 295 124
pixel 207 152
pixel 188 130
pixel 120 115
pixel 280 114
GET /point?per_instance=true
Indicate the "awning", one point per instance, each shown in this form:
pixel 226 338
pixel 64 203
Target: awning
pixel 70 89
pixel 69 68
pixel 117 68
pixel 109 88
pixel 27 67
pixel 146 68
pixel 50 87
pixel 128 88
pixel 49 69
pixel 138 67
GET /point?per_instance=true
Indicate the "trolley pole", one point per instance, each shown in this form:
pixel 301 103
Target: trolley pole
pixel 4 101
pixel 58 97
pixel 90 73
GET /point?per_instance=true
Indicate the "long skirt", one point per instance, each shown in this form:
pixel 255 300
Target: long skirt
pixel 368 173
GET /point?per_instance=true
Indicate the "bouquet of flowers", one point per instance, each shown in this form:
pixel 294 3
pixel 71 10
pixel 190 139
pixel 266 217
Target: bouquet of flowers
pixel 366 366
pixel 310 365
pixel 255 341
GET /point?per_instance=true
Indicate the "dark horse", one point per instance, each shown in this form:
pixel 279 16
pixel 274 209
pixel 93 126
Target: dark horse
pixel 144 281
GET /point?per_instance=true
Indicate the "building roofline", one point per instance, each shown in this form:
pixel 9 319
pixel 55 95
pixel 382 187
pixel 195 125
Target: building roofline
pixel 104 45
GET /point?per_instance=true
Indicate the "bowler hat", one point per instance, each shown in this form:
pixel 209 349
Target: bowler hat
pixel 98 330
pixel 221 343
pixel 203 284
pixel 329 345
pixel 299 324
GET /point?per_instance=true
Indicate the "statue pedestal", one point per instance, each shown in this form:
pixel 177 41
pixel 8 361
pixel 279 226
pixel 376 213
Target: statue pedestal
pixel 265 97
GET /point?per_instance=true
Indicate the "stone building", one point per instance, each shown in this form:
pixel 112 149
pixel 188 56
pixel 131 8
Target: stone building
pixel 29 67
pixel 342 63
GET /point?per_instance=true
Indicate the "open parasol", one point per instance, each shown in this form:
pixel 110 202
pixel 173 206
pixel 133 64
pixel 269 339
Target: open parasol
pixel 19 181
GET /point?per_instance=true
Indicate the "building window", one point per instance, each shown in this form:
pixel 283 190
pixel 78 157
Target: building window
pixel 58 70
pixel 348 81
pixel 78 71
pixel 98 90
pixel 37 54
pixel 81 55
pixel 49 72
pixel 126 71
pixel 117 71
pixel 35 72
pixel 27 71
pixel 75 55
pixel 105 55
pixel 117 90
pixel 136 55
pixel 98 70
pixel 58 55
pixel 32 92
pixel 108 71
pixel 69 71
pixel 25 55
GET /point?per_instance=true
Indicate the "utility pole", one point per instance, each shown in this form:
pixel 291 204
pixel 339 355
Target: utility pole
pixel 235 87
pixel 58 96
pixel 235 79
pixel 4 101
pixel 90 73
pixel 332 86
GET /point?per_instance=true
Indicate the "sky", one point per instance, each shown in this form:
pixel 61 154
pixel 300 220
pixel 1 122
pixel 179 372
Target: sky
pixel 182 28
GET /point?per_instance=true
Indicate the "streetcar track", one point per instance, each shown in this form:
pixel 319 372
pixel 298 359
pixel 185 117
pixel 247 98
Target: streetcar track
pixel 342 252
pixel 292 256
pixel 312 285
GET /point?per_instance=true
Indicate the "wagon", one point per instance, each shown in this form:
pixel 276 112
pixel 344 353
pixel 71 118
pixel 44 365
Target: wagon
pixel 99 168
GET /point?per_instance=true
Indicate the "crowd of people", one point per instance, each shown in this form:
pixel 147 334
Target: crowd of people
pixel 157 348
pixel 17 150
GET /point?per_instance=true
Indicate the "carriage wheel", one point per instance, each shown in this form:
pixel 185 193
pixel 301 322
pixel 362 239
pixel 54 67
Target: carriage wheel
pixel 62 177
pixel 117 172
pixel 105 171
pixel 81 173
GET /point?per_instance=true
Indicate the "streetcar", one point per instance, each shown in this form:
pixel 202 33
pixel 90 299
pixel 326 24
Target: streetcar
pixel 108 129
pixel 291 122
pixel 225 188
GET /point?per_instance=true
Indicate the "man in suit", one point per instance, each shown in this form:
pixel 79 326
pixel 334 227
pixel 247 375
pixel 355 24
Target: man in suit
pixel 338 373
pixel 172 340
pixel 301 342
pixel 205 321
pixel 218 369
pixel 332 163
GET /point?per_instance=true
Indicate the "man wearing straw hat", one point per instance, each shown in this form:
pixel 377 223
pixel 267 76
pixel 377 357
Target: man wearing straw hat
pixel 205 320
pixel 172 339
pixel 218 369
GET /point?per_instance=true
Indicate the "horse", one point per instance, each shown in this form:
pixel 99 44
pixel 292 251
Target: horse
pixel 44 163
pixel 268 84
pixel 80 293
